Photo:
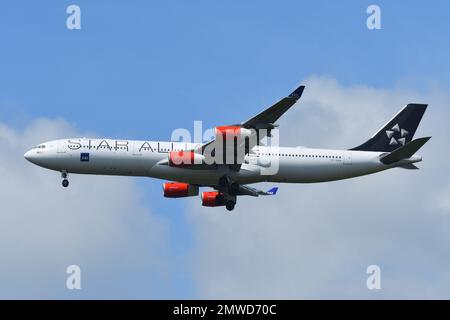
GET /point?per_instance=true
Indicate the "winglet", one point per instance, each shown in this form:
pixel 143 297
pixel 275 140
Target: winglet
pixel 297 93
pixel 272 191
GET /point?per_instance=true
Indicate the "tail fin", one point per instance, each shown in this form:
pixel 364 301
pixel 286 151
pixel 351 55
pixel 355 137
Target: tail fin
pixel 397 132
pixel 404 152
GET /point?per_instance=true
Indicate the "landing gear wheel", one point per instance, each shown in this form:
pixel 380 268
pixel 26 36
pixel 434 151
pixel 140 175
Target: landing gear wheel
pixel 230 205
pixel 65 183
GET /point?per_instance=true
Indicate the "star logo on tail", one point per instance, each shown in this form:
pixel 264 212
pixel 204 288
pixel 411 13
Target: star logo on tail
pixel 397 135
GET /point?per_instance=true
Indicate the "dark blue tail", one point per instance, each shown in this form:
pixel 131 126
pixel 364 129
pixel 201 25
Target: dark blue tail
pixel 397 132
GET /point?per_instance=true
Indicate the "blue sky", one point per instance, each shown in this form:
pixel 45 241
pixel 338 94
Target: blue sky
pixel 135 64
pixel 139 69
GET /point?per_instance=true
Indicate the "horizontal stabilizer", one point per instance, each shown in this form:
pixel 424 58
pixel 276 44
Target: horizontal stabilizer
pixel 404 152
pixel 409 166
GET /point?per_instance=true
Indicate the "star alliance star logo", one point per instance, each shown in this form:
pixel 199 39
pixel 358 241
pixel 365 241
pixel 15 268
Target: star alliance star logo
pixel 398 132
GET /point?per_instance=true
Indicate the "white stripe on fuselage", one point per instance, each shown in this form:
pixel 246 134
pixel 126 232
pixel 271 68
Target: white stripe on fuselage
pixel 141 158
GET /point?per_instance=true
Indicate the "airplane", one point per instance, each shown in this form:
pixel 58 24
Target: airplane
pixel 236 157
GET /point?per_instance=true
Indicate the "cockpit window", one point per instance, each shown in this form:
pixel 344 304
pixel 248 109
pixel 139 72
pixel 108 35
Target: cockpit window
pixel 42 146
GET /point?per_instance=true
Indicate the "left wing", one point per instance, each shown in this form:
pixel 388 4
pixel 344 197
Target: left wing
pixel 244 190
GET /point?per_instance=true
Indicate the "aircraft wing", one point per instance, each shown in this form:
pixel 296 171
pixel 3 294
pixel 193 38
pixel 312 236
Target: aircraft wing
pixel 264 120
pixel 269 116
pixel 256 192
pixel 245 190
pixel 244 137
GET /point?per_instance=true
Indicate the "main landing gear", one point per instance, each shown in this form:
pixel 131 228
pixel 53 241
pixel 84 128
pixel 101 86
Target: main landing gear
pixel 65 182
pixel 230 205
pixel 232 189
pixel 231 186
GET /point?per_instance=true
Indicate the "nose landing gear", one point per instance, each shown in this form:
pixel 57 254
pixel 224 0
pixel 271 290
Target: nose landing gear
pixel 65 182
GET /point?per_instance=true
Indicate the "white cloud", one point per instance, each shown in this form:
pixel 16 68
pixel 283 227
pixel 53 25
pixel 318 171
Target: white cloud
pixel 316 240
pixel 100 224
pixel 309 241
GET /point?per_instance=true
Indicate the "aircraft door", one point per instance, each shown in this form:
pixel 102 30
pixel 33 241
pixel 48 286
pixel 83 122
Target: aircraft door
pixel 137 148
pixel 347 158
pixel 61 147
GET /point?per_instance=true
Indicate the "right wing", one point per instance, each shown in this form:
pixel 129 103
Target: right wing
pixel 268 117
pixel 261 125
pixel 246 135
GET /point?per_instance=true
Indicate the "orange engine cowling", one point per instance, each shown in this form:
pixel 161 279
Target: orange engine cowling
pixel 213 199
pixel 184 158
pixel 179 190
pixel 230 132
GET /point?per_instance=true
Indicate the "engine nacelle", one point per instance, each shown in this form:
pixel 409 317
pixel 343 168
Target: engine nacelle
pixel 184 158
pixel 179 190
pixel 230 132
pixel 213 199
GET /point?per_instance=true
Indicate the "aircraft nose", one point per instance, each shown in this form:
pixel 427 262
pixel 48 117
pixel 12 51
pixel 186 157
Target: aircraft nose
pixel 29 155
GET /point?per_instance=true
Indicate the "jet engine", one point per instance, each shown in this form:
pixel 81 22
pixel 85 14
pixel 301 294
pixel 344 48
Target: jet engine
pixel 179 190
pixel 184 158
pixel 213 199
pixel 230 132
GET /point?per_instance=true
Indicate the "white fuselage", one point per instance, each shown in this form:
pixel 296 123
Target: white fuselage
pixel 149 159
